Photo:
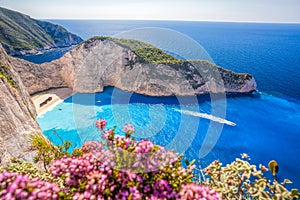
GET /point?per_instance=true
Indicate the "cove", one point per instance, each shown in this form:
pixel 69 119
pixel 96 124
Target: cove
pixel 266 126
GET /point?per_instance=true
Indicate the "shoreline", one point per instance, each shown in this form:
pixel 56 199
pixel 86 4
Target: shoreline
pixel 34 52
pixel 51 97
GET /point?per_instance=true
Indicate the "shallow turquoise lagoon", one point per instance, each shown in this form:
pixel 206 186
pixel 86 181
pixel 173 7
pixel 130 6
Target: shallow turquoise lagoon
pixel 267 127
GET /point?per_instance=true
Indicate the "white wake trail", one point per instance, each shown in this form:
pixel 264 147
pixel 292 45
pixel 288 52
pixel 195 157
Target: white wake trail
pixel 206 116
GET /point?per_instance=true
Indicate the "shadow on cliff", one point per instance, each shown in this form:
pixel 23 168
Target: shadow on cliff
pixel 112 95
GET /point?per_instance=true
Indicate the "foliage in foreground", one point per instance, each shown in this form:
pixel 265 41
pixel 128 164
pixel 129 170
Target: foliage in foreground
pixel 119 168
pixel 241 180
pixel 28 168
pixel 123 168
pixel 46 151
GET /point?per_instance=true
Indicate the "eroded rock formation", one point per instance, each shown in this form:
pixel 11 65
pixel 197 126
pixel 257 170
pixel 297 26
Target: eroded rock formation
pixel 17 113
pixel 101 62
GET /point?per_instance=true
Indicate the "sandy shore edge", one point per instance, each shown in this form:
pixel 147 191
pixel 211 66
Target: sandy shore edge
pixel 56 95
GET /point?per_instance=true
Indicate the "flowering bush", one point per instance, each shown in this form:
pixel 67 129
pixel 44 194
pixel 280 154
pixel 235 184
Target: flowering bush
pixel 29 169
pixel 123 168
pixel 15 186
pixel 196 191
pixel 118 168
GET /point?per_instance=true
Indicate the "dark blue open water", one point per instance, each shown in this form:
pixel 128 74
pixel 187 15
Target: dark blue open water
pixel 267 123
pixel 271 52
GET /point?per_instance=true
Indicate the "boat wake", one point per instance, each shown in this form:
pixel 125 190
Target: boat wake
pixel 206 116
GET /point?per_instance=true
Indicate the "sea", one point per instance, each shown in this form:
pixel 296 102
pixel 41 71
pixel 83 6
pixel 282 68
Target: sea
pixel 265 125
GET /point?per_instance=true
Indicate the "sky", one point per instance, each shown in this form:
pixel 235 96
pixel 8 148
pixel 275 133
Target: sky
pixel 188 10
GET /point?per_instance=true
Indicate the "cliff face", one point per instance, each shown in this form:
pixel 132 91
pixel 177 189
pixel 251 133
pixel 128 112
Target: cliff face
pixel 17 113
pixel 20 34
pixel 39 77
pixel 60 36
pixel 101 62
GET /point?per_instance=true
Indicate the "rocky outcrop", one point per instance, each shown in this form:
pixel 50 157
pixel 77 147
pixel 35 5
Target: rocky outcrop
pixel 17 113
pixel 61 37
pixel 20 34
pixel 37 77
pixel 101 62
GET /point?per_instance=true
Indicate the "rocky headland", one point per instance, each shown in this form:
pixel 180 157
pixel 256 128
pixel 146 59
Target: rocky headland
pixel 132 66
pixel 21 35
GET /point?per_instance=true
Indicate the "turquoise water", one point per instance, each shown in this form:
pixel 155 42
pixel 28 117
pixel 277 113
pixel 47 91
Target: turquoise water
pixel 267 123
pixel 266 128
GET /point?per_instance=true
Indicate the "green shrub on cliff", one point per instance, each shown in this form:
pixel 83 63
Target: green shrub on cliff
pixel 46 152
pixel 146 52
pixel 5 74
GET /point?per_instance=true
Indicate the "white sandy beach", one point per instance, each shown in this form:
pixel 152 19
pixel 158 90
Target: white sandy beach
pixel 57 95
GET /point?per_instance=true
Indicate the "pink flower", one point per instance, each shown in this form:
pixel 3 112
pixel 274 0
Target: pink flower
pixel 92 146
pixel 196 191
pixel 163 189
pixel 108 135
pixel 19 186
pixel 101 124
pixel 128 128
pixel 144 146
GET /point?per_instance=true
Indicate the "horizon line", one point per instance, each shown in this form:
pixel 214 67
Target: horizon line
pixel 178 20
pixel 155 19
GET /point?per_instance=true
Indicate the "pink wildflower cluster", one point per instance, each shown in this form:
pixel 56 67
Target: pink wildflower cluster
pixel 144 146
pixel 162 189
pixel 15 186
pixel 101 124
pixel 195 191
pixel 120 168
pixel 75 170
pixel 108 134
pixel 123 142
pixel 92 146
pixel 128 128
pixel 102 181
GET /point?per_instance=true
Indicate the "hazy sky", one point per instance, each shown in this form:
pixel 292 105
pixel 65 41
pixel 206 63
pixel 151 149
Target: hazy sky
pixel 202 10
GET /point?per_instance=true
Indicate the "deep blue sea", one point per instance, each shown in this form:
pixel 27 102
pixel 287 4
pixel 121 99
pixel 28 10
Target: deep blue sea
pixel 267 122
pixel 271 52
